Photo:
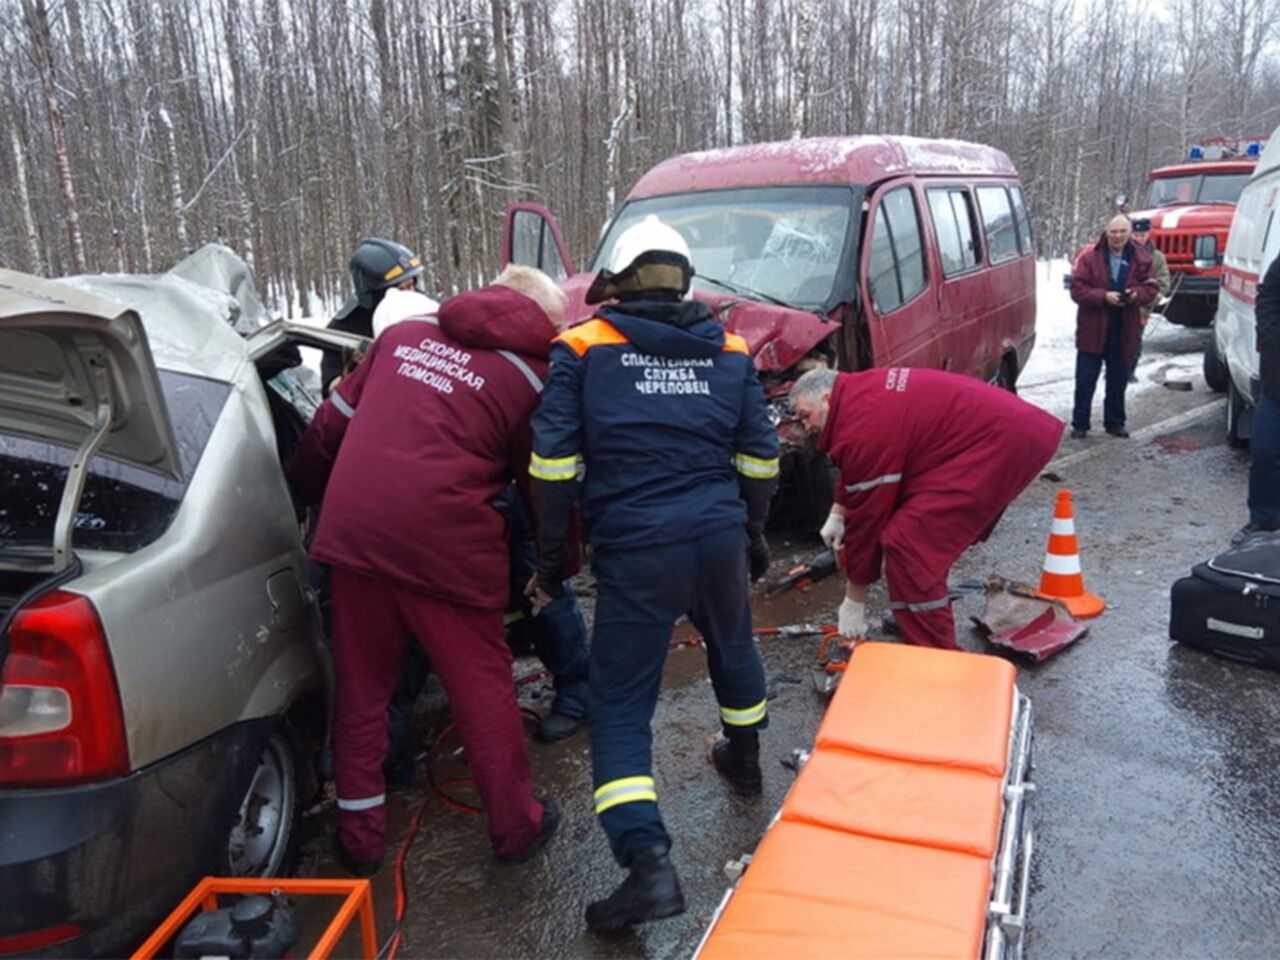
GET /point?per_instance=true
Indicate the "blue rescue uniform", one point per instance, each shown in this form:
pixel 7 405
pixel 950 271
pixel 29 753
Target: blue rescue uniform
pixel 654 420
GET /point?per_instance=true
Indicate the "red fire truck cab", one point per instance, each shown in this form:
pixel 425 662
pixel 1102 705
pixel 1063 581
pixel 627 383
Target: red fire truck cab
pixel 1197 199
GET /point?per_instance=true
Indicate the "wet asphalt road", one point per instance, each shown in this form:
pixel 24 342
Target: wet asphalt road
pixel 1156 821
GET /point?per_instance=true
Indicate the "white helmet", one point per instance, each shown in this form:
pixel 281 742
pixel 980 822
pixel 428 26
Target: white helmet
pixel 650 235
pixel 400 305
pixel 647 256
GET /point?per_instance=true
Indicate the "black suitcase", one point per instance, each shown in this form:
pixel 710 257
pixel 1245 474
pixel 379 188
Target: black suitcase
pixel 1231 605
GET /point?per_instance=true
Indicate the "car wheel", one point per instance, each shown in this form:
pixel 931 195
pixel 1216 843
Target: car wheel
pixel 260 841
pixel 1007 377
pixel 1215 368
pixel 1237 435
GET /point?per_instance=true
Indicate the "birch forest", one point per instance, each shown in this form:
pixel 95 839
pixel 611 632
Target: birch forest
pixel 137 130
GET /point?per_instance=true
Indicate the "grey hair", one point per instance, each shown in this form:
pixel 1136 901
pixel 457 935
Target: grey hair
pixel 538 287
pixel 813 385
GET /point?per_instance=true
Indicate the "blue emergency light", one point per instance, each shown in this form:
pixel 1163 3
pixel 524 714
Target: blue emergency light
pixel 1253 150
pixel 1196 153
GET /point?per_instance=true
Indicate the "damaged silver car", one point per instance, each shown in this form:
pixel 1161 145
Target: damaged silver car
pixel 162 673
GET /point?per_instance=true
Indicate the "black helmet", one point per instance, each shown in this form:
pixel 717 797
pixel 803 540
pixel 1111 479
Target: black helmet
pixel 378 264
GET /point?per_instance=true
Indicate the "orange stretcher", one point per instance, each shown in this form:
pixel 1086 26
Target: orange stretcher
pixel 906 832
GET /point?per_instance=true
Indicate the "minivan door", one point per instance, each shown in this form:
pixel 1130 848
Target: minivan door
pixel 531 237
pixel 901 314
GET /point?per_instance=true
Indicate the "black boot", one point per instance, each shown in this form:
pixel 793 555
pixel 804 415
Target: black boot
pixel 555 727
pixel 650 892
pixel 738 760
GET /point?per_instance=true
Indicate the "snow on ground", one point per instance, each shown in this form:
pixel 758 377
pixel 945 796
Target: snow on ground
pixel 1048 379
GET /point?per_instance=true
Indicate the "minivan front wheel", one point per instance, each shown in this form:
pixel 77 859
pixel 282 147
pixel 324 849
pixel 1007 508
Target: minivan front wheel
pixel 259 842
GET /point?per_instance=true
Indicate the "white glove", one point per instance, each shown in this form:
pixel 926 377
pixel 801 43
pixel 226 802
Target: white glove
pixel 832 531
pixel 852 619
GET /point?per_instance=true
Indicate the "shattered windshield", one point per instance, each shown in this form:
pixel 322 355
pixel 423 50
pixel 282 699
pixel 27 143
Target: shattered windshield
pixel 1196 188
pixel 770 243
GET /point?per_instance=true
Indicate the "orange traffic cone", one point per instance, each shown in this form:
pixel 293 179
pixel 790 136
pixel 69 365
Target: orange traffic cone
pixel 1062 579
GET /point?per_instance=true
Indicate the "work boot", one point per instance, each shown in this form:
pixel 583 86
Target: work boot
pixel 555 727
pixel 546 829
pixel 357 868
pixel 738 760
pixel 650 892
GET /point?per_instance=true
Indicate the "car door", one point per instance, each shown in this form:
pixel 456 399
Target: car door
pixel 901 314
pixel 531 236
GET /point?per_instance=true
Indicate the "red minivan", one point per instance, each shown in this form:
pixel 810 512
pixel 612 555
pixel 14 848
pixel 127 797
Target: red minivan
pixel 850 252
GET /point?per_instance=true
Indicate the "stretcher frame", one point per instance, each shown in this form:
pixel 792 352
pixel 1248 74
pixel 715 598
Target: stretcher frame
pixel 1011 880
pixel 1011 867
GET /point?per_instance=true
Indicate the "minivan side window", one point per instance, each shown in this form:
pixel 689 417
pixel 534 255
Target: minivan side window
pixel 997 223
pixel 1025 240
pixel 896 263
pixel 953 224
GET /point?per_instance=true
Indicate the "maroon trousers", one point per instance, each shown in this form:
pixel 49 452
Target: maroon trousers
pixel 372 621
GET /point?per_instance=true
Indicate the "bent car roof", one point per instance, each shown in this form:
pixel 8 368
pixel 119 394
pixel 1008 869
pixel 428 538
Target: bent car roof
pixel 861 160
pixel 190 314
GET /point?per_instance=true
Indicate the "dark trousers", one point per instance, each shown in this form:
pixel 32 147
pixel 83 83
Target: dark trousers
pixel 559 633
pixel 560 641
pixel 372 622
pixel 1088 366
pixel 1264 470
pixel 640 593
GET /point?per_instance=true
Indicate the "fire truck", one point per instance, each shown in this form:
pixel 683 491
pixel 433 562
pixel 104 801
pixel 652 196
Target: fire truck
pixel 1197 199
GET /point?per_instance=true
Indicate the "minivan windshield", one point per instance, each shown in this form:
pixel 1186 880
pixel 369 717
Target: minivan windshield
pixel 1196 188
pixel 769 243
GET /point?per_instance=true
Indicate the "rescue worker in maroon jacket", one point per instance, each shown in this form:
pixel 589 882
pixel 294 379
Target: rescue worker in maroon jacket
pixel 409 453
pixel 1110 281
pixel 928 462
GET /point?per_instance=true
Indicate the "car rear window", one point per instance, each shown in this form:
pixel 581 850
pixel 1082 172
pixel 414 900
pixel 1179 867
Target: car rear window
pixel 124 507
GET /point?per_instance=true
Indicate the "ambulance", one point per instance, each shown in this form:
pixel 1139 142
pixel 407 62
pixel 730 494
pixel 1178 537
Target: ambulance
pixel 1231 358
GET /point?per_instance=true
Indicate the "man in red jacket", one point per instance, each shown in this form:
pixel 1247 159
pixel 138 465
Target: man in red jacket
pixel 928 462
pixel 1110 281
pixel 409 453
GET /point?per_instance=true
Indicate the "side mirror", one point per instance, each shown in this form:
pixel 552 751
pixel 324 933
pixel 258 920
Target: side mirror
pixel 1206 257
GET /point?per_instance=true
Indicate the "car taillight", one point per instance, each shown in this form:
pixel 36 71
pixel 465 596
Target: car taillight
pixel 60 715
pixel 22 943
